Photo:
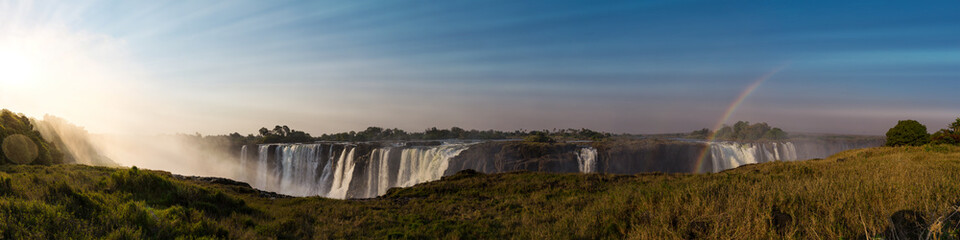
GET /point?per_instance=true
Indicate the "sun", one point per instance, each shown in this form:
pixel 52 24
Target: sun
pixel 17 67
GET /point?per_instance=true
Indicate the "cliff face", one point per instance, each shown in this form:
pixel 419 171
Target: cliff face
pixel 494 157
pixel 619 157
pixel 363 170
pixel 639 156
pixel 631 157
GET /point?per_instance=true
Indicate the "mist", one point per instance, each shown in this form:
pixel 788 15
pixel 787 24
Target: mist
pixel 177 153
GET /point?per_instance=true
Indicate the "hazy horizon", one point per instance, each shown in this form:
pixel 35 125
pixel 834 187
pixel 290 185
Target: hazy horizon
pixel 124 67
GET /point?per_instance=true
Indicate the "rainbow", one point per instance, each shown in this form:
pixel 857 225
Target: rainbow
pixel 733 107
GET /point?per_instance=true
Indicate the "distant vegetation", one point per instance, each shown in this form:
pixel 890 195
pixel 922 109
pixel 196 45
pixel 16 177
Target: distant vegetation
pixel 912 133
pixel 377 133
pixel 539 137
pixel 742 131
pixel 284 134
pixel 23 142
pixel 949 135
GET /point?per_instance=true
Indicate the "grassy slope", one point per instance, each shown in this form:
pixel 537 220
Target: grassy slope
pixel 850 195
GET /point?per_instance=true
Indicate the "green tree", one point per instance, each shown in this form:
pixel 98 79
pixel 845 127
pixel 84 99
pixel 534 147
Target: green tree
pixel 725 133
pixel 950 135
pixel 908 133
pixel 955 126
pixel 775 134
pixel 945 136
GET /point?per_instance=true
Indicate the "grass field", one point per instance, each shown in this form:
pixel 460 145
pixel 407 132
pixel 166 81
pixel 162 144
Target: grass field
pixel 907 192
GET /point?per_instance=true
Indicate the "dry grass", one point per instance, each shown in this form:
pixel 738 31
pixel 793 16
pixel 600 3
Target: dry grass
pixel 893 193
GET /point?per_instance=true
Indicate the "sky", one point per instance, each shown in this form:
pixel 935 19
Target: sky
pixel 216 67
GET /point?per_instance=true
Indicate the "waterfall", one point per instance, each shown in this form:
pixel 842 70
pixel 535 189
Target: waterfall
pixel 383 175
pixel 243 163
pixel 299 173
pixel 262 176
pixel 243 155
pixel 727 155
pixel 587 159
pixel 791 151
pixel 326 178
pixel 373 171
pixel 343 174
pixel 347 171
pixel 364 170
pixel 419 165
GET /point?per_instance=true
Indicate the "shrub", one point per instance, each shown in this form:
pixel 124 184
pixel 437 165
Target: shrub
pixel 945 136
pixel 950 135
pixel 908 133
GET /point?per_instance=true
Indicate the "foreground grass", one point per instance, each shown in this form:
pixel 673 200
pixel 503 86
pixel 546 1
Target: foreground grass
pixel 882 192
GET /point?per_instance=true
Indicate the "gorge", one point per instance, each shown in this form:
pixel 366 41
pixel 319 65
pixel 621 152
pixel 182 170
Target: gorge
pixel 347 170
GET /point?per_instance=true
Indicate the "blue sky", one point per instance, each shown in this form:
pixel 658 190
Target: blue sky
pixel 620 66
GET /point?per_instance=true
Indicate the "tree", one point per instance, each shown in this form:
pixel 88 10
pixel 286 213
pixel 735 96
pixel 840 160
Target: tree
pixel 950 135
pixel 725 133
pixel 775 134
pixel 908 133
pixel 945 136
pixel 955 126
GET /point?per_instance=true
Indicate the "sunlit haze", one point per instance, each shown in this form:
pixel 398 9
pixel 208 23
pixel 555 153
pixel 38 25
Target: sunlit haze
pixel 217 67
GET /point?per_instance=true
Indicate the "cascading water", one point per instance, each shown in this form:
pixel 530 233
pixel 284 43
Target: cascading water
pixel 728 155
pixel 383 175
pixel 587 159
pixel 319 170
pixel 243 163
pixel 262 177
pixel 419 165
pixel 343 174
pixel 299 173
pixel 363 170
pixel 243 155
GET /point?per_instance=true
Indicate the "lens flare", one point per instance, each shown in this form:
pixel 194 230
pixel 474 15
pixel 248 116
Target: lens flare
pixel 20 149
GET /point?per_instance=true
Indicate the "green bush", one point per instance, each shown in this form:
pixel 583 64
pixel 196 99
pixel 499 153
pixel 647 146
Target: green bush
pixel 945 136
pixel 950 135
pixel 908 133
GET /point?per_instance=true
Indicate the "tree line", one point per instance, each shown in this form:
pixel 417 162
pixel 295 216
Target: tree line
pixel 912 133
pixel 284 134
pixel 742 131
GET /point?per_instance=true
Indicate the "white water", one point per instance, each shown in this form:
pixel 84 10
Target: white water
pixel 587 159
pixel 318 170
pixel 243 155
pixel 383 183
pixel 299 168
pixel 339 170
pixel 419 165
pixel 262 177
pixel 728 155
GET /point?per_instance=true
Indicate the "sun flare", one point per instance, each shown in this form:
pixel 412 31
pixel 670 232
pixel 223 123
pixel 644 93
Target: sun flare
pixel 17 67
